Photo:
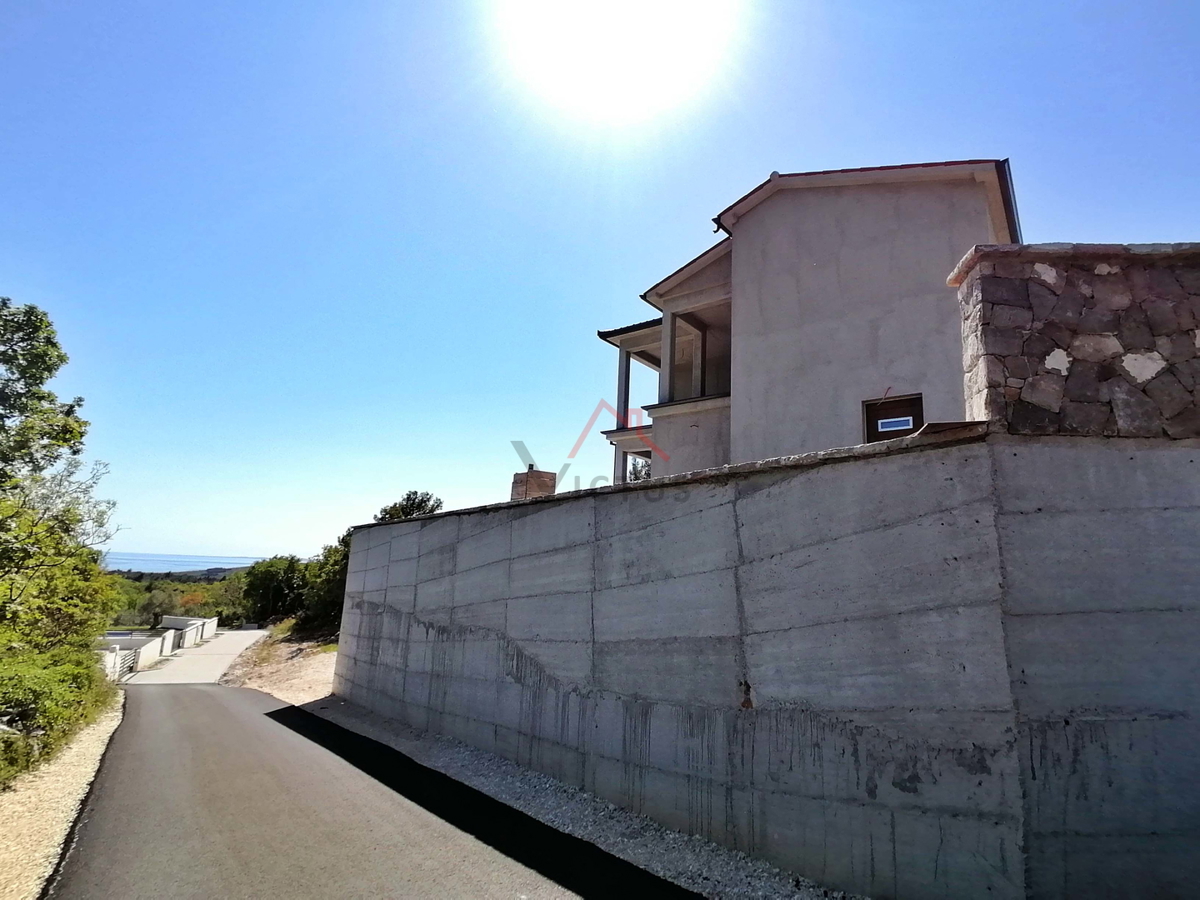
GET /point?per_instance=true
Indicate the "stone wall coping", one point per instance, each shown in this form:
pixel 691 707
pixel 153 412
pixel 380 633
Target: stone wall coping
pixel 933 436
pixel 1048 252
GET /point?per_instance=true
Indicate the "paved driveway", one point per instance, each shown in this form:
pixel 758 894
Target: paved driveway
pixel 200 665
pixel 210 791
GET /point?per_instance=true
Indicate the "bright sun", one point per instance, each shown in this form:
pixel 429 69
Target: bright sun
pixel 617 62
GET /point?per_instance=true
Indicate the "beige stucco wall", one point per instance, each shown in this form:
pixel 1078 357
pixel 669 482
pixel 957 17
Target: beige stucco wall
pixel 839 294
pixel 694 440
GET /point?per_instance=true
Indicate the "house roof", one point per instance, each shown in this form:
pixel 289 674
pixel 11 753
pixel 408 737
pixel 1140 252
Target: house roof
pixel 994 173
pixel 641 340
pixel 688 269
pixel 611 334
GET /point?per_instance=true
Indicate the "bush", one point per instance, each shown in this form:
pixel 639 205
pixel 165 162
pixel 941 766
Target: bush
pixel 326 588
pixel 274 588
pixel 44 699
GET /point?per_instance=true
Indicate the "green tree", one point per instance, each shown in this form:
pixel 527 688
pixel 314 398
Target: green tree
pixel 160 601
pixel 52 590
pixel 275 587
pixel 36 429
pixel 410 505
pixel 639 469
pixel 48 519
pixel 326 586
pixel 228 600
pixel 66 605
pixel 54 597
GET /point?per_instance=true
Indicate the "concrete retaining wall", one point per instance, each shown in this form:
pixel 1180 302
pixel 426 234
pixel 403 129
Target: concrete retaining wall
pixel 148 653
pixel 150 647
pixel 1102 621
pixel 169 642
pixel 205 628
pixel 963 671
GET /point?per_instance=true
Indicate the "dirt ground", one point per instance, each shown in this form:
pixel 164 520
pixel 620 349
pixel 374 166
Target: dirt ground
pixel 296 671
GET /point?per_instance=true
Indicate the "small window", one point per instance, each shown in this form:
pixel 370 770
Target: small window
pixel 894 417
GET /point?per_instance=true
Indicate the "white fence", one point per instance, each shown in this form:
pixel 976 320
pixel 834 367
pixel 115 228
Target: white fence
pixel 125 652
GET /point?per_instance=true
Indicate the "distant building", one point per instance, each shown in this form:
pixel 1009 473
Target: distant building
pixel 822 320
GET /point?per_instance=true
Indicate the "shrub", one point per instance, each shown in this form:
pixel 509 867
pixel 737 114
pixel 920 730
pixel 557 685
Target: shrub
pixel 326 588
pixel 275 587
pixel 44 699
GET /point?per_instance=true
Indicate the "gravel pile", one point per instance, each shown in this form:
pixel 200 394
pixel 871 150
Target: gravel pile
pixel 37 809
pixel 691 862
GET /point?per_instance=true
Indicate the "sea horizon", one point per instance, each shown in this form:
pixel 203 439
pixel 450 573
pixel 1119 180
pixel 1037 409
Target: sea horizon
pixel 115 560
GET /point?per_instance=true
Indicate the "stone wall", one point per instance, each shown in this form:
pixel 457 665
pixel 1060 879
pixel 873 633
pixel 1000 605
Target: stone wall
pixel 1083 339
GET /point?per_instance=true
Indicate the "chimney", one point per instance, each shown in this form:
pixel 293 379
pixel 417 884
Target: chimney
pixel 532 483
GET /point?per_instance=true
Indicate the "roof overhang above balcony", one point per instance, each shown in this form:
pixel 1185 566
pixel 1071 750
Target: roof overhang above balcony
pixel 643 341
pixel 708 273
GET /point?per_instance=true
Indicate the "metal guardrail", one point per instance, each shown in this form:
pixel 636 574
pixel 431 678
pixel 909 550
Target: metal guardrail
pixel 126 663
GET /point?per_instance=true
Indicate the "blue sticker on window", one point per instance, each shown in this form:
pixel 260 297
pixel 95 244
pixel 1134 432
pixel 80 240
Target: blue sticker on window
pixel 903 423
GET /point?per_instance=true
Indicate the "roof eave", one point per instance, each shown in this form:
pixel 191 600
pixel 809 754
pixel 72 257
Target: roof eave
pixel 728 217
pixel 709 256
pixel 611 335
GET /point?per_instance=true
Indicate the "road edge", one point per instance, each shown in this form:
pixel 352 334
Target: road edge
pixel 69 838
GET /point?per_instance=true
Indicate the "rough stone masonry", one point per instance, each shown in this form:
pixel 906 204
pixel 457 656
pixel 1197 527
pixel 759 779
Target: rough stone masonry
pixel 1083 339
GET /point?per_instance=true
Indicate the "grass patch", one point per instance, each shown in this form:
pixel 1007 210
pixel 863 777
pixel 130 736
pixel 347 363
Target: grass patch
pixel 296 632
pixel 282 629
pixel 290 632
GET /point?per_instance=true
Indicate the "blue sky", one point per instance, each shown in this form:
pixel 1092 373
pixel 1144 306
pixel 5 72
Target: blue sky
pixel 306 256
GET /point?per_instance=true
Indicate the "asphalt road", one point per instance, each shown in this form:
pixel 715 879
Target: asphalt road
pixel 220 792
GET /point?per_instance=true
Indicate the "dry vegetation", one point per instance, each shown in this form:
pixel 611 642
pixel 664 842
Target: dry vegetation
pixel 296 668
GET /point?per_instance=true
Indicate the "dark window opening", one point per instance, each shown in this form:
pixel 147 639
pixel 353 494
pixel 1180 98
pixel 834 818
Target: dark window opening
pixel 894 417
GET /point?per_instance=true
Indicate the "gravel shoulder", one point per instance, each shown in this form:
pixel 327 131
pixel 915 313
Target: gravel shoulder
pixel 686 860
pixel 303 675
pixel 38 808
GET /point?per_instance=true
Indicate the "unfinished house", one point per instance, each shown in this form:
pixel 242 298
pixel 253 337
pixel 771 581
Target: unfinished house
pixel 823 318
pixel 953 661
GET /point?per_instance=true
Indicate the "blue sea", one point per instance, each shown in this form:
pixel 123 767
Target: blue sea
pixel 166 562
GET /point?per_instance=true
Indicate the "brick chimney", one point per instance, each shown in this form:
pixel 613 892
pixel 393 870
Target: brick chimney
pixel 532 483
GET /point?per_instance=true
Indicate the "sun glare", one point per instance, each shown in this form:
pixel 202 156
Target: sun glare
pixel 617 62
